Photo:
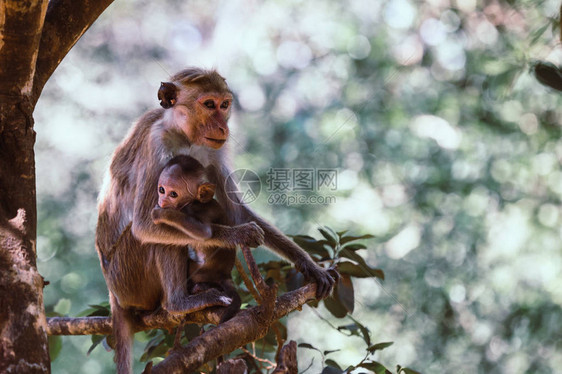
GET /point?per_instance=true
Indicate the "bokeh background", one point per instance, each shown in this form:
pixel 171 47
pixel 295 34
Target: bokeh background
pixel 447 149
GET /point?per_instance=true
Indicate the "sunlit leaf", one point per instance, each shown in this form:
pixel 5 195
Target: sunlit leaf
pixel 63 306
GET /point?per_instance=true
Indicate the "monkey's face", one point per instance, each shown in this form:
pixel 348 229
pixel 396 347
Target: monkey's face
pixel 176 190
pixel 200 109
pixel 206 122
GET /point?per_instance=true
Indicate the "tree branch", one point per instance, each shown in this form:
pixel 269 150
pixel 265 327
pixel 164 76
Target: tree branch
pixel 247 326
pixel 20 30
pixel 285 304
pixel 65 22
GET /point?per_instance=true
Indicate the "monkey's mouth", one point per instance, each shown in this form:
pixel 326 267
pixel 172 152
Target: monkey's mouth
pixel 218 142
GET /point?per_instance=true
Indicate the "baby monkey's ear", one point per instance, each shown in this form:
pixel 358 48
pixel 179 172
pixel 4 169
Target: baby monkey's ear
pixel 205 192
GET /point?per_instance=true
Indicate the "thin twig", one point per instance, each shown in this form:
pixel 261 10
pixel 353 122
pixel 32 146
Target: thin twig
pixel 255 357
pixel 247 281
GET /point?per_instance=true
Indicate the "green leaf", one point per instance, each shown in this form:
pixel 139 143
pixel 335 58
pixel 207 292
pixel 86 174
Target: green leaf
pixel 364 331
pixel 309 346
pixel 335 307
pixel 344 293
pixel 332 363
pixel 294 280
pixel 376 367
pixel 360 271
pixel 352 256
pixel 535 35
pixel 342 233
pixel 311 245
pixel 154 348
pixel 354 246
pixel 55 346
pixel 350 238
pixel 332 351
pixel 330 235
pixel 407 371
pixel 63 306
pixel 379 346
pixel 101 310
pixel 331 370
pixel 96 340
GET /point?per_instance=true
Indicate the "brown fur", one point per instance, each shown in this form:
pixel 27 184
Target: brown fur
pixel 148 268
pixel 211 266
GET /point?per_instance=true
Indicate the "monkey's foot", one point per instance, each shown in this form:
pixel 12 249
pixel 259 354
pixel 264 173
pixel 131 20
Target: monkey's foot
pixel 200 301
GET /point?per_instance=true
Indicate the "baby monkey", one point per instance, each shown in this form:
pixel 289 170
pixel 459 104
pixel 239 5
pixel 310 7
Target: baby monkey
pixel 185 202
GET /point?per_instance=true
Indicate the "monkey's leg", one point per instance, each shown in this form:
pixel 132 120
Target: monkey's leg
pixel 234 307
pixel 172 263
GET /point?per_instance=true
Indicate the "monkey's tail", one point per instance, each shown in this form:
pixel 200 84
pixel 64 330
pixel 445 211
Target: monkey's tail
pixel 123 333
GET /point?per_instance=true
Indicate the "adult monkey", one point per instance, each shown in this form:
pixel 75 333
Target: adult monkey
pixel 144 264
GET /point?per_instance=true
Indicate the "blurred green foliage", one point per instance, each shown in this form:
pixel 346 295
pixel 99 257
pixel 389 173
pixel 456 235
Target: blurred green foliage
pixel 447 149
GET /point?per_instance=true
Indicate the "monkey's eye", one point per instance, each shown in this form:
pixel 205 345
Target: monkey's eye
pixel 209 104
pixel 173 194
pixel 225 104
pixel 161 189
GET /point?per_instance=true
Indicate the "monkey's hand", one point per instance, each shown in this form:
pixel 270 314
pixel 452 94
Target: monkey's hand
pixel 249 234
pixel 325 279
pixel 156 215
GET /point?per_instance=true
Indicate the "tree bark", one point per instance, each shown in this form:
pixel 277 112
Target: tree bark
pixel 23 336
pixel 33 41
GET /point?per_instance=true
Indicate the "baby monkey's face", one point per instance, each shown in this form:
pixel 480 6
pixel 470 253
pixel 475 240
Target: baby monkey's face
pixel 176 188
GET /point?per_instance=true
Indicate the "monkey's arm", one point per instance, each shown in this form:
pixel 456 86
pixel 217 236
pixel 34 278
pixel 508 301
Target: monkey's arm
pixel 212 234
pixel 145 200
pixel 190 226
pixel 281 244
pixel 239 212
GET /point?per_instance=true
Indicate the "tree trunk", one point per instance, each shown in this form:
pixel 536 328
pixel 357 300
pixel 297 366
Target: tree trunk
pixel 23 336
pixel 34 37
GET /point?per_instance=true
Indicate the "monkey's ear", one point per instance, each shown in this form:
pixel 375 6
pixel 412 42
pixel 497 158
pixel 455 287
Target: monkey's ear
pixel 205 192
pixel 167 94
